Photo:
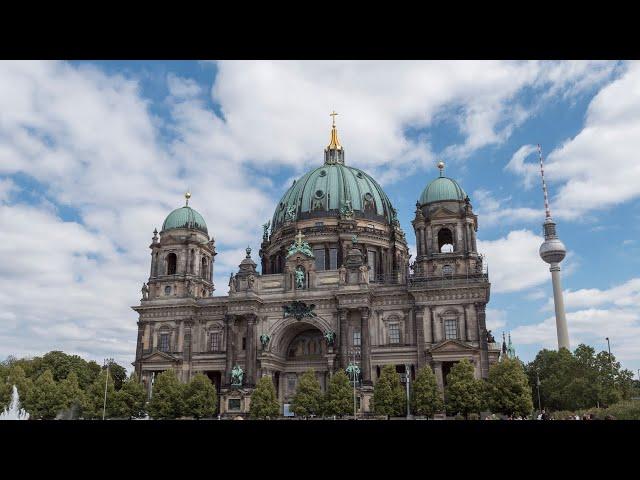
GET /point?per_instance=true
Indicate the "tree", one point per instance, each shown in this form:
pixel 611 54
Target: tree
pixel 118 373
pixel 167 400
pixel 508 391
pixel 264 402
pixel 61 365
pixel 464 393
pixel 308 398
pixel 44 398
pixel 16 376
pixel 95 397
pixel 389 398
pixel 425 396
pixel 200 397
pixel 338 399
pixel 578 380
pixel 71 397
pixel 130 400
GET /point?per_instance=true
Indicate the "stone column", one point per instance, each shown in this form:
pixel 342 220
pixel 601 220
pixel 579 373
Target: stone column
pixel 251 350
pixel 419 325
pixel 426 321
pixel 436 327
pixel 342 315
pixel 482 335
pixel 228 333
pixel 461 327
pixel 366 346
pixel 437 369
pixel 467 327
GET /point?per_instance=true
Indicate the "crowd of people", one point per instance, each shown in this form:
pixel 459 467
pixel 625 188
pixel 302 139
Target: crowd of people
pixel 544 415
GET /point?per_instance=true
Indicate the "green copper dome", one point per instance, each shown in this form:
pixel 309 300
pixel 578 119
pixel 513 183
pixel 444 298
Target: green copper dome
pixel 326 190
pixel 185 217
pixel 442 189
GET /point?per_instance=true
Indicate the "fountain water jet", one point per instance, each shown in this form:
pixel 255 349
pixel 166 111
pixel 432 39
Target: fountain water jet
pixel 14 412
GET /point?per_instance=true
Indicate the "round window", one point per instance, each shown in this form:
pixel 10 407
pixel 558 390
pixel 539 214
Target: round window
pixel 323 173
pixel 447 269
pixel 359 175
pixel 319 193
pixel 167 290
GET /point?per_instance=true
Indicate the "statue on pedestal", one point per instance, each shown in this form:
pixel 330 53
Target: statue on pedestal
pixel 250 281
pixel 299 273
pixel 236 376
pixel 342 271
pixel 232 284
pixel 264 340
pixel 364 273
pixel 145 291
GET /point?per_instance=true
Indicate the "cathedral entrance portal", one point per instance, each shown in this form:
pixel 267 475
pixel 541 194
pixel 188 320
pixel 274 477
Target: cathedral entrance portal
pixel 306 350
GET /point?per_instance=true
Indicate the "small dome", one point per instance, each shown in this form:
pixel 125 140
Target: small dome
pixel 442 189
pixel 328 188
pixel 185 217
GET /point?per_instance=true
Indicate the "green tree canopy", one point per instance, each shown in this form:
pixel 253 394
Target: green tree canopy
pixel 61 365
pixel 44 399
pixel 425 396
pixel 464 393
pixel 95 396
pixel 508 391
pixel 338 399
pixel 264 401
pixel 71 397
pixel 167 396
pixel 15 375
pixel 578 380
pixel 130 400
pixel 118 373
pixel 308 398
pixel 200 397
pixel 389 397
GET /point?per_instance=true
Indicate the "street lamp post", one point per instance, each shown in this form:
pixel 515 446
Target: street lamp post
pixel 538 387
pixel 353 352
pixel 610 362
pixel 107 363
pixel 407 370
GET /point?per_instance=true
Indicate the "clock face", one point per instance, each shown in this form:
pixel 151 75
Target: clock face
pixel 447 269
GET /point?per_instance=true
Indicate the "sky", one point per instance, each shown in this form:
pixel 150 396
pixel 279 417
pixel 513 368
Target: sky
pixel 95 154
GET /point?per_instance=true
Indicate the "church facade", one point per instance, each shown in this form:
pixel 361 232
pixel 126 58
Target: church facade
pixel 335 290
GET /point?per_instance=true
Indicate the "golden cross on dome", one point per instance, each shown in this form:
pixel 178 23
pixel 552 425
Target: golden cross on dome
pixel 187 195
pixel 299 238
pixel 333 114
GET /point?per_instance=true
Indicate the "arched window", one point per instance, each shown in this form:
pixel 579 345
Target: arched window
pixel 172 261
pixel 445 240
pixel 204 272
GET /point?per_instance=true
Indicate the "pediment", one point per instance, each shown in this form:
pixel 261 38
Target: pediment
pixel 451 346
pixel 443 212
pixel 158 356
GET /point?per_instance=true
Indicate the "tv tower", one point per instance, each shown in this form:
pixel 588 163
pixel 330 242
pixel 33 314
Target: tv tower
pixel 553 252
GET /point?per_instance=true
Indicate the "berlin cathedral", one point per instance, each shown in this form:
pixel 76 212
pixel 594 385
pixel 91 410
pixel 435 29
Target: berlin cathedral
pixel 335 290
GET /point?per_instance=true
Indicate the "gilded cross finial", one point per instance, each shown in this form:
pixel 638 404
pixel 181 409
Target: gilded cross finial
pixel 187 196
pixel 441 167
pixel 333 114
pixel 299 238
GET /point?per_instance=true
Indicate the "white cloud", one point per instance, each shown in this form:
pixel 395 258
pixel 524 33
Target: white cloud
pixel 496 319
pixel 599 167
pixel 492 211
pixel 91 141
pixel 593 314
pixel 514 262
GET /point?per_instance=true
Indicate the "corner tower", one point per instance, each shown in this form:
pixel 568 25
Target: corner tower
pixel 182 257
pixel 445 228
